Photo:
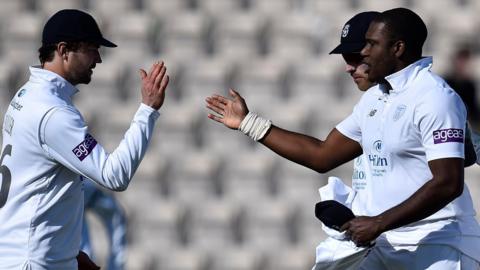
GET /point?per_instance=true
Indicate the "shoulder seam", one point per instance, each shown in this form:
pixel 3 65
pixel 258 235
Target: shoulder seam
pixel 44 120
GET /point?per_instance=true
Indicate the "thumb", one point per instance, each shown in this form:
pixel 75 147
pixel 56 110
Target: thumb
pixel 234 94
pixel 345 226
pixel 143 73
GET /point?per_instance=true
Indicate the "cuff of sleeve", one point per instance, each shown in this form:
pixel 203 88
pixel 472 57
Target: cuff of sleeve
pixel 439 155
pixel 148 111
pixel 347 134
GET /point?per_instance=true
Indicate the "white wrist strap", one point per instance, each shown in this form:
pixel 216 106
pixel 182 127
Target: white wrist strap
pixel 255 126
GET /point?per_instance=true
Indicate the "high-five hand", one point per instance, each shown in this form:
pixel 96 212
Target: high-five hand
pixel 230 112
pixel 154 84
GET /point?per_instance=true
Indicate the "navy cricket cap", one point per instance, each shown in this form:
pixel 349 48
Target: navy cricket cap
pixel 352 38
pixel 73 25
pixel 333 214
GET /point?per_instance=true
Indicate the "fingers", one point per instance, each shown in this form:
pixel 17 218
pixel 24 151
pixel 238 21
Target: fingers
pixel 348 233
pixel 155 71
pixel 215 118
pixel 143 73
pixel 215 104
pixel 233 93
pixel 214 101
pixel 357 237
pixel 354 237
pixel 216 109
pixel 345 227
pixel 152 68
pixel 154 84
pixel 164 83
pixel 360 243
pixel 159 77
pixel 221 99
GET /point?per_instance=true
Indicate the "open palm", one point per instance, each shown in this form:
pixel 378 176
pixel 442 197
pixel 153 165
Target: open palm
pixel 229 112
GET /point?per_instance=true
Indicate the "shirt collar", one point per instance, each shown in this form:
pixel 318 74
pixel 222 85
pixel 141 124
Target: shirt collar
pixel 401 79
pixel 63 88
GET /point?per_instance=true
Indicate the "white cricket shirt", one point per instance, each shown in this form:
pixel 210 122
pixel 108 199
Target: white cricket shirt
pixel 46 150
pixel 419 120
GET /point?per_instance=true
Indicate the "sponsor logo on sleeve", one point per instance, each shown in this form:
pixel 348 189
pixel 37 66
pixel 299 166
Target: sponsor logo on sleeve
pixel 85 148
pixel 448 135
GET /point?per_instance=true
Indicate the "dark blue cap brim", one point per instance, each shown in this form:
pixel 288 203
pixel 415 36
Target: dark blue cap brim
pixel 99 41
pixel 106 43
pixel 348 48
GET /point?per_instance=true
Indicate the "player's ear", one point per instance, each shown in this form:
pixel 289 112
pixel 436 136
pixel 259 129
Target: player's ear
pixel 62 50
pixel 399 48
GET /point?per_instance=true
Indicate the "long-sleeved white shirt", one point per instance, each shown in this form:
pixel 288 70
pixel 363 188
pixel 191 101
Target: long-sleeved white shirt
pixel 46 150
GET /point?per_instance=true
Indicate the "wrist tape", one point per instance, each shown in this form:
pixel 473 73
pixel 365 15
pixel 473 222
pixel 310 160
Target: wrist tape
pixel 255 126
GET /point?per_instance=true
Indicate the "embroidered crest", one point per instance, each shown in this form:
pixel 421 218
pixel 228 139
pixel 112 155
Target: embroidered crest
pixel 345 30
pixel 399 112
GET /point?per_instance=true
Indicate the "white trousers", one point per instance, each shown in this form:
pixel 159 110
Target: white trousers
pixel 351 262
pixel 422 257
pixel 333 254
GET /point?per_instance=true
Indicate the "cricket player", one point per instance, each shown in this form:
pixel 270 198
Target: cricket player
pixel 338 252
pixel 48 150
pixel 411 128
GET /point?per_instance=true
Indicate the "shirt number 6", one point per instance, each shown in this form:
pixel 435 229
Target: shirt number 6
pixel 6 176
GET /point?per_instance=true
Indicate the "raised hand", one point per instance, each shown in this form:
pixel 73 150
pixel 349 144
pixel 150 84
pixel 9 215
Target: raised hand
pixel 230 112
pixel 154 84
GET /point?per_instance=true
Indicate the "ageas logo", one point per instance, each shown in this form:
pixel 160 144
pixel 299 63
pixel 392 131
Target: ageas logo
pixel 448 135
pixel 85 148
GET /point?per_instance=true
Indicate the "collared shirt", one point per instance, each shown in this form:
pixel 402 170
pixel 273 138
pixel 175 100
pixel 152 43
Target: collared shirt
pixel 46 150
pixel 420 119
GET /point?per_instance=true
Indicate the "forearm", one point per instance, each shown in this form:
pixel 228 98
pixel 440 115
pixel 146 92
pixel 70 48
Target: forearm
pixel 121 164
pixel 294 146
pixel 429 199
pixel 318 155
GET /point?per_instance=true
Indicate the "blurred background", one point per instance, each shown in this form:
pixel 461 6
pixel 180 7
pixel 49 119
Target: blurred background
pixel 206 197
